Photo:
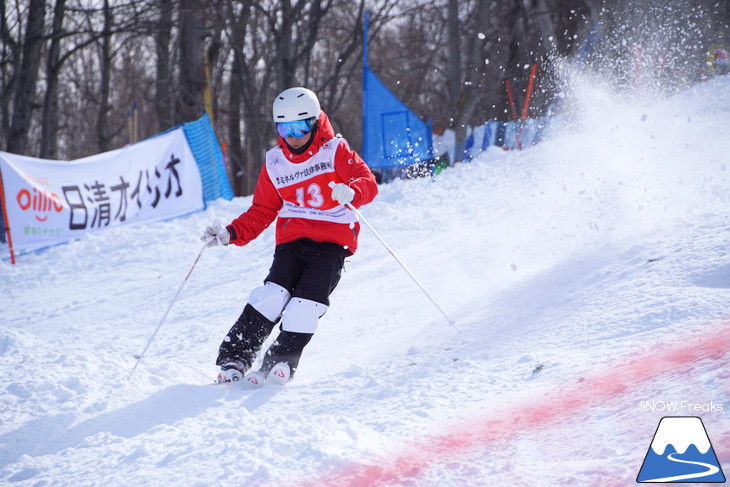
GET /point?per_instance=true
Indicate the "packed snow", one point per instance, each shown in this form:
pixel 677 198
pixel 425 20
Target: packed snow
pixel 588 278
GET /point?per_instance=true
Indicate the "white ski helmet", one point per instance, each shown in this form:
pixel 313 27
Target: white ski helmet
pixel 296 104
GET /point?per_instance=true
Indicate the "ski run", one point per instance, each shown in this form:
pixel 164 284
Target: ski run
pixel 588 278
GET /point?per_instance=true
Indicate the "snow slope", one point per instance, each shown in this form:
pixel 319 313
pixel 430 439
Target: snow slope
pixel 588 276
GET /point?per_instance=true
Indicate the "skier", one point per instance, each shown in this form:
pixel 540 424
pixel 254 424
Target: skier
pixel 307 180
pixel 717 56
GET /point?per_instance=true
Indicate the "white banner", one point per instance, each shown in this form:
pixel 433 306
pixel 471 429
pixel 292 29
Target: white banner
pixel 49 202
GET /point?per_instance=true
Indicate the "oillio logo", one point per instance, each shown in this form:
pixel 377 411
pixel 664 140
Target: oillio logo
pixel 40 202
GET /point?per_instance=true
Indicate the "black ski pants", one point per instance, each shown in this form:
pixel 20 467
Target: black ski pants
pixel 307 269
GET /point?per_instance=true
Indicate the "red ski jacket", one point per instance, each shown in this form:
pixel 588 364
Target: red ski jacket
pixel 295 188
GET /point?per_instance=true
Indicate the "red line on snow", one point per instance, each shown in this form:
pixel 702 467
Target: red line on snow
pixel 660 360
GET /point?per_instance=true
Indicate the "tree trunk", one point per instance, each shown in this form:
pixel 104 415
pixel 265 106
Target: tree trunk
pixel 10 52
pixel 513 69
pixel 191 101
pixel 163 78
pixel 543 17
pixel 257 122
pixel 349 49
pixel 235 146
pixel 283 61
pixel 472 68
pixel 49 119
pixel 103 136
pixel 453 67
pixel 235 152
pixel 27 77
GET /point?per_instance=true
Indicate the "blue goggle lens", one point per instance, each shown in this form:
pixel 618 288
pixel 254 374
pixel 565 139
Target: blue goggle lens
pixel 296 129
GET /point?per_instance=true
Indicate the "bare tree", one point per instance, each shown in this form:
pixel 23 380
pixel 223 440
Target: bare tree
pixel 163 73
pixel 247 100
pixel 105 66
pixel 49 113
pixel 276 45
pixel 465 72
pixel 27 77
pixel 192 82
pixel 10 58
pixel 446 59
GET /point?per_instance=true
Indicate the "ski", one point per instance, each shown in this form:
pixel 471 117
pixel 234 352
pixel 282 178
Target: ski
pixel 279 375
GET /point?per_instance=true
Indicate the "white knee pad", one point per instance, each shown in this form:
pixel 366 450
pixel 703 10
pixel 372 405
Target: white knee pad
pixel 302 315
pixel 269 300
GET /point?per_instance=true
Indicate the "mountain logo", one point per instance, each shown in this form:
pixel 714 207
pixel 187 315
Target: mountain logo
pixel 681 452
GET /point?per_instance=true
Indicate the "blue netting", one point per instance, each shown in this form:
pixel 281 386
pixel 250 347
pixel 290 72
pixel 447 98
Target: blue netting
pixel 209 157
pixel 393 135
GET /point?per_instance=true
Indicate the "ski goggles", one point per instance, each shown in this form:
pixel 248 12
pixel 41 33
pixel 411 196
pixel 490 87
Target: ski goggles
pixel 296 129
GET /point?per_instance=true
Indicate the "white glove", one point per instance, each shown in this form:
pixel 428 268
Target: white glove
pixel 216 235
pixel 342 193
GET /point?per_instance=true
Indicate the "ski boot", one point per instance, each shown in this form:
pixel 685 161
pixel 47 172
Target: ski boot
pixel 231 371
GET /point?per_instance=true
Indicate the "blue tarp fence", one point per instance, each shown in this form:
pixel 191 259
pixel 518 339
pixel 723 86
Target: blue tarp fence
pixel 394 138
pixel 396 143
pixel 507 135
pixel 209 157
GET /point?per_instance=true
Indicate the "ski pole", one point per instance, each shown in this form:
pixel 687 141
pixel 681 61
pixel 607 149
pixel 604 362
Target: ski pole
pixel 139 357
pixel 362 219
